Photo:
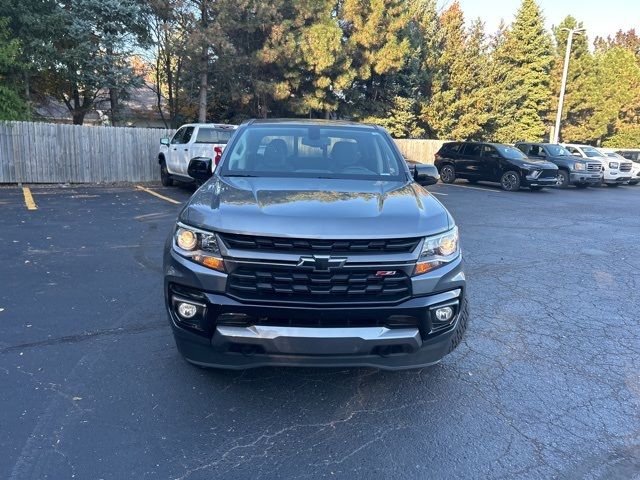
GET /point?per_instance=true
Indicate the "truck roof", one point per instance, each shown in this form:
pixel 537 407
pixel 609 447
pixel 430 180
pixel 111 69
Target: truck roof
pixel 308 121
pixel 225 126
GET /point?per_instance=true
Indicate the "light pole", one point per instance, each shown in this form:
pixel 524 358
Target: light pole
pixel 565 71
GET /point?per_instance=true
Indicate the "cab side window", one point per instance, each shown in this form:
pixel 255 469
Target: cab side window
pixel 489 152
pixel 177 137
pixel 188 133
pixel 537 151
pixel 472 149
pixel 574 151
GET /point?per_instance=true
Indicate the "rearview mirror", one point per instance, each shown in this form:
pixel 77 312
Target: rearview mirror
pixel 425 174
pixel 164 141
pixel 200 169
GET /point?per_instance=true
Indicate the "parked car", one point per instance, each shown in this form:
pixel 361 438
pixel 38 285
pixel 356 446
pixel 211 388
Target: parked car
pixel 493 162
pixel 190 141
pixel 614 172
pixel 624 164
pixel 571 170
pixel 632 154
pixel 312 244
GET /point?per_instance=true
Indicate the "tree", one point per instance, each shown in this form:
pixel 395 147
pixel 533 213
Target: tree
pixel 89 50
pixel 377 44
pixel 401 120
pixel 458 106
pixel 12 107
pixel 307 49
pixel 521 76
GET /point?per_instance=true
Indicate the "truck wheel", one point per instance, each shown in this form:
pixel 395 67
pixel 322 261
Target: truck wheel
pixel 463 322
pixel 165 177
pixel 448 174
pixel 563 179
pixel 510 181
pixel 634 182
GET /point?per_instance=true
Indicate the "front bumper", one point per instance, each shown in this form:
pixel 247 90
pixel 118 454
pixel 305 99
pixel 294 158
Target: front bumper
pixel 370 340
pixel 616 180
pixel 585 178
pixel 531 181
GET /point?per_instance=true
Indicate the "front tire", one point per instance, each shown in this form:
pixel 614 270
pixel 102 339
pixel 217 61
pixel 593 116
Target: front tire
pixel 633 182
pixel 448 174
pixel 510 181
pixel 165 176
pixel 463 322
pixel 563 179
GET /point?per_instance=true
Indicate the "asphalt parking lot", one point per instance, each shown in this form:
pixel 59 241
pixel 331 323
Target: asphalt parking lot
pixel 545 385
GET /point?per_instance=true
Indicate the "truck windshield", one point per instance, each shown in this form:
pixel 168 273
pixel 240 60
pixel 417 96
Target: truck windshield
pixel 213 135
pixel 313 151
pixel 558 151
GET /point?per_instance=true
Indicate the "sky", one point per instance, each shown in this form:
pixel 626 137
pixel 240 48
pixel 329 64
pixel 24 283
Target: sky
pixel 600 17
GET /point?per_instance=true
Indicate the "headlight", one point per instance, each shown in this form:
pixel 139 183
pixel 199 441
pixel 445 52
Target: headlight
pixel 437 251
pixel 199 246
pixel 614 164
pixel 578 166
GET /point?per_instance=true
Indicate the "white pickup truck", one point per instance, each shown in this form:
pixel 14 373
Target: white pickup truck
pixel 191 141
pixel 615 171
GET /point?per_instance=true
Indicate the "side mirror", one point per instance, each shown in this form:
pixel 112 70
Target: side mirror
pixel 425 174
pixel 165 141
pixel 200 169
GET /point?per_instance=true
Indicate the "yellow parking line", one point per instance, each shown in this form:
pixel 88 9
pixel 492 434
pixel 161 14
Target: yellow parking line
pixel 156 194
pixel 28 199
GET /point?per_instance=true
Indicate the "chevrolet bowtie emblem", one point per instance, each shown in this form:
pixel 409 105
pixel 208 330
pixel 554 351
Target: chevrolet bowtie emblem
pixel 322 263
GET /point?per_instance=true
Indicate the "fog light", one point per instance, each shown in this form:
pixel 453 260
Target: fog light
pixel 444 314
pixel 187 310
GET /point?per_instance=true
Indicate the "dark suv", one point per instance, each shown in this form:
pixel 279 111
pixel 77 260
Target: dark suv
pixel 493 162
pixel 314 244
pixel 572 170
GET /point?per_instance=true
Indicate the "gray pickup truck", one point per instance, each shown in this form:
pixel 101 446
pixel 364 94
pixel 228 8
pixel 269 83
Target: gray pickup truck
pixel 314 243
pixel 572 170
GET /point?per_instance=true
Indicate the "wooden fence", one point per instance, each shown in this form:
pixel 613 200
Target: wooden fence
pixel 51 153
pixel 422 151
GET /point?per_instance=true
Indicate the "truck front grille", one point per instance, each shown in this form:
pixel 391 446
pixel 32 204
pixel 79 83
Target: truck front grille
pixel 594 167
pixel 625 167
pixel 291 284
pixel 275 244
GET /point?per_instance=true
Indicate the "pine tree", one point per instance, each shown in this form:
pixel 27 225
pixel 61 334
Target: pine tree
pixel 457 107
pixel 377 44
pixel 521 76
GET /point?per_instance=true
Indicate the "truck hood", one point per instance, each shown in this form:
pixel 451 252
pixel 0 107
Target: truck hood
pixel 316 208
